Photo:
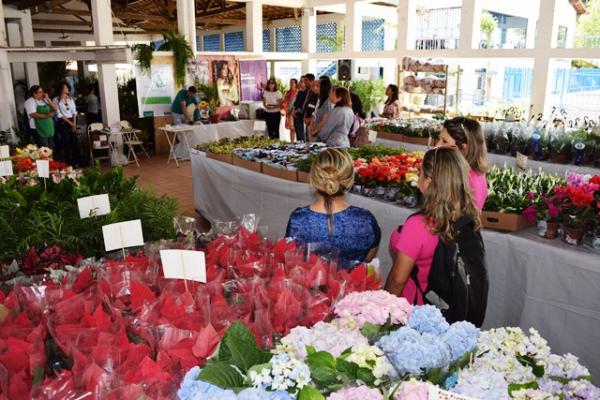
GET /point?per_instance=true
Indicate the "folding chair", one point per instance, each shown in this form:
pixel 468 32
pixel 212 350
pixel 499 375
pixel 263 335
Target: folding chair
pixel 131 140
pixel 94 133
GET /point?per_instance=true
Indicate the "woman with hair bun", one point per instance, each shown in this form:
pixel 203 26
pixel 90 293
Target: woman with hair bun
pixel 330 221
pixel 466 135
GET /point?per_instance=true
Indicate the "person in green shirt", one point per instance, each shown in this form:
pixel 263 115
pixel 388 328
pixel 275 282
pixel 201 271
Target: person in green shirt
pixel 40 110
pixel 184 98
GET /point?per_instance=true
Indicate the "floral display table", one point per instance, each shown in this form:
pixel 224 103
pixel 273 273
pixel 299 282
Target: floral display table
pixel 547 285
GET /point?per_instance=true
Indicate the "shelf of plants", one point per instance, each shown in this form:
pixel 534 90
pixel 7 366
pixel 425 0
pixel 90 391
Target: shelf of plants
pixel 270 323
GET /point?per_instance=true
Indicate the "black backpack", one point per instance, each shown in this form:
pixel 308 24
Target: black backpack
pixel 458 280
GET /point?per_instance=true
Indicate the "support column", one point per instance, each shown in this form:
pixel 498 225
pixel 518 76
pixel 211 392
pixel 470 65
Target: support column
pixel 470 21
pixel 186 21
pixel 254 27
pixel 107 77
pixel 546 39
pixel 407 21
pixel 531 28
pixel 309 30
pixel 31 68
pixel 273 37
pixel 353 34
pixel 8 108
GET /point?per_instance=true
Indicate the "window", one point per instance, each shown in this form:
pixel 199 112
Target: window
pixel 327 38
pixel 267 40
pixel 212 42
pixel 438 28
pixel 561 41
pixel 373 36
pixel 288 39
pixel 234 41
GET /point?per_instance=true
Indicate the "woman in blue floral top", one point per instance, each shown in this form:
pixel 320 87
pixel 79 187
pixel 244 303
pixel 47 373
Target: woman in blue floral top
pixel 330 223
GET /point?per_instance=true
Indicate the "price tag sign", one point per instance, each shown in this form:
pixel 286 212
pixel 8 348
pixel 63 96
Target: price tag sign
pixel 435 393
pixel 4 151
pixel 92 206
pixel 43 168
pixel 184 264
pixel 259 126
pixel 522 161
pixel 372 136
pixel 6 168
pixel 123 234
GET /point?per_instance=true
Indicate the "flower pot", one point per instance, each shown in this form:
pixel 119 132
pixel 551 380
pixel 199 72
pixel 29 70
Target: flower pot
pixel 380 192
pixel 391 193
pixel 547 229
pixel 573 236
pixel 215 118
pixel 357 189
pixel 560 158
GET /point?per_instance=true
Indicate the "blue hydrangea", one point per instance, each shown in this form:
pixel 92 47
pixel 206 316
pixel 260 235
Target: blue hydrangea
pixel 412 353
pixel 261 394
pixel 428 319
pixel 461 338
pixel 193 389
pixel 450 381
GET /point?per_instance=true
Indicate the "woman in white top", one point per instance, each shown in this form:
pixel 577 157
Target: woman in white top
pixel 67 144
pixel 272 100
pixel 391 109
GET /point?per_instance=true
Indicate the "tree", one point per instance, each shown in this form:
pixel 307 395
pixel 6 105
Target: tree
pixel 588 26
pixel 488 25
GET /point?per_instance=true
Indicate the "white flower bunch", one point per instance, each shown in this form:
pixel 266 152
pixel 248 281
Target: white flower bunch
pixel 372 358
pixel 283 373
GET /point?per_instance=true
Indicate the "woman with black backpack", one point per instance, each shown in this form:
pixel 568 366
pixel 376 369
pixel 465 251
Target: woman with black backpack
pixel 448 219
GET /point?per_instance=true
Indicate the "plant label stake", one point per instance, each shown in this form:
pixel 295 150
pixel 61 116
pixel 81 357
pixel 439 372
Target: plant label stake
pixel 122 235
pixel 6 168
pixel 521 161
pixel 176 263
pixel 43 170
pixel 93 206
pixel 4 151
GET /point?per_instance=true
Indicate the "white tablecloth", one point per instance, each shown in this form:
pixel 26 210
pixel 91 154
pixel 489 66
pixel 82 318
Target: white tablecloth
pixel 198 134
pixel 534 283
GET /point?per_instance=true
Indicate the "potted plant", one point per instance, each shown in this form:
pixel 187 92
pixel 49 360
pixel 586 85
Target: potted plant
pixel 545 212
pixel 561 148
pixel 577 212
pixel 519 142
pixel 501 142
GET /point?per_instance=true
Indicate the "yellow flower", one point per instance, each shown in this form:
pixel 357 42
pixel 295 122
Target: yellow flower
pixel 203 103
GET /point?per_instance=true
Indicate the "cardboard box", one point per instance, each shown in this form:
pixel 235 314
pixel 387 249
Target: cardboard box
pixel 251 165
pixel 416 140
pixel 396 137
pixel 302 176
pixel 223 157
pixel 503 221
pixel 281 173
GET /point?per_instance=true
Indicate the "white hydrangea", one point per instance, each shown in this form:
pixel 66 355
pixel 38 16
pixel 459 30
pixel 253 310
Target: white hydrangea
pixel 283 373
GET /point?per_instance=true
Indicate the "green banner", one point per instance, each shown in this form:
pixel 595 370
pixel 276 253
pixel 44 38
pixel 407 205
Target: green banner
pixel 156 100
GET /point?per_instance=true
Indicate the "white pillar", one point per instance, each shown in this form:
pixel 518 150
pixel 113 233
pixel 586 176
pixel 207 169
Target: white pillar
pixel 309 30
pixel 531 28
pixel 107 77
pixel 254 27
pixel 546 39
pixel 470 21
pixel 407 23
pixel 8 108
pixel 186 21
pixel 31 68
pixel 353 34
pixel 309 67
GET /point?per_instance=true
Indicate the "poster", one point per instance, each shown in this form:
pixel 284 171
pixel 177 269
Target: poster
pixel 225 72
pixel 253 79
pixel 155 89
pixel 199 71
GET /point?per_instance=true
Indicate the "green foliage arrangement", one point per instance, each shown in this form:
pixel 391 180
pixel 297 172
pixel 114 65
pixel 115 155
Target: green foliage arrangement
pixel 507 190
pixel 182 51
pixel 33 216
pixel 227 146
pixel 370 92
pixel 366 152
pixel 488 25
pixel 144 54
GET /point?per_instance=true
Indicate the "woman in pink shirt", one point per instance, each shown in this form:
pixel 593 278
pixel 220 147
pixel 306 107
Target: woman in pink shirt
pixel 444 183
pixel 467 136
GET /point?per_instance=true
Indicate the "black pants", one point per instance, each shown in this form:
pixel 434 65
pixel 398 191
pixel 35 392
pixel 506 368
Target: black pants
pixel 273 120
pixel 67 145
pixel 300 132
pixel 92 118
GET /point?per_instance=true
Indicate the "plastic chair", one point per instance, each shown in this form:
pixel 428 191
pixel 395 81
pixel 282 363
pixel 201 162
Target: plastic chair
pixel 131 140
pixel 95 127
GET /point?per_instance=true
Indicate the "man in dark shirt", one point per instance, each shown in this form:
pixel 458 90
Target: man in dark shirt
pixel 298 110
pixel 312 98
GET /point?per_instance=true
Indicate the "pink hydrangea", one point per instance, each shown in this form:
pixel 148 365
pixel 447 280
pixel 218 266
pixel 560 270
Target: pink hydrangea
pixel 357 393
pixel 412 390
pixel 376 307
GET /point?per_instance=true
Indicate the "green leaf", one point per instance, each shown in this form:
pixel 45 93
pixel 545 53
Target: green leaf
pixel 238 347
pixel 222 375
pixel 437 376
pixel 310 393
pixel 366 376
pixel 513 387
pixel 310 350
pixel 347 368
pixel 321 359
pixel 370 330
pixel 323 375
pixel 538 370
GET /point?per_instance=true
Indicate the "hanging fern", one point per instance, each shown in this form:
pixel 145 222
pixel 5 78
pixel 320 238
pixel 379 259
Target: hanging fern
pixel 144 54
pixel 182 51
